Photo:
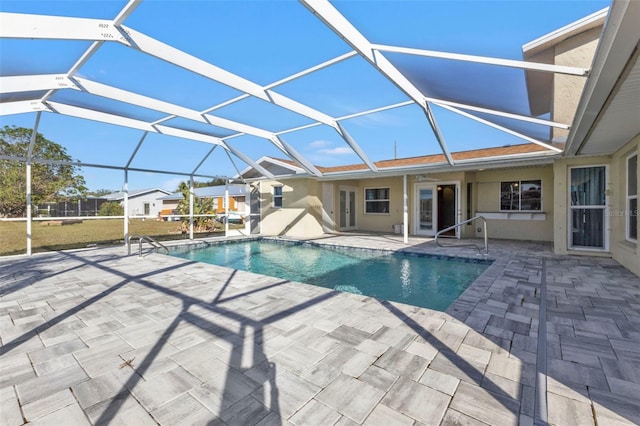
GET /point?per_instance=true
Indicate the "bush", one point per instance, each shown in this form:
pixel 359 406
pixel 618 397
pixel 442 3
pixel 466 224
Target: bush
pixel 111 208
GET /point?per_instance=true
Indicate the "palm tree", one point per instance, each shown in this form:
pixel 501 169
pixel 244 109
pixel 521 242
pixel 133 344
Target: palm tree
pixel 200 206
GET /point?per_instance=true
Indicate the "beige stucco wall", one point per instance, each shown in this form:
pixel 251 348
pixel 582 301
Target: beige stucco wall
pixel 383 222
pixel 302 204
pixel 380 222
pixel 576 51
pixel 624 251
pixel 517 226
pixel 300 215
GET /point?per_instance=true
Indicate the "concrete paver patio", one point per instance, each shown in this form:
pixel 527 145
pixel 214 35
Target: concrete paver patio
pixel 98 337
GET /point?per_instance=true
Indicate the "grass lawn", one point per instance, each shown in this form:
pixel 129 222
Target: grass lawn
pixel 89 232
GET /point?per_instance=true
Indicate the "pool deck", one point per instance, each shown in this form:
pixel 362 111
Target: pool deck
pixel 98 337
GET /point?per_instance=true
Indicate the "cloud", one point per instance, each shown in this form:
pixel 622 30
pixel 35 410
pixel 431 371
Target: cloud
pixel 319 144
pixel 341 150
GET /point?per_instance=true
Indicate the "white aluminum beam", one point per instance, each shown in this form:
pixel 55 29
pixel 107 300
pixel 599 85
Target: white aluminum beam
pixel 540 121
pixel 172 55
pixel 135 151
pixel 355 147
pixel 176 110
pixel 103 166
pixel 189 62
pixel 250 162
pixel 295 129
pixel 204 159
pixel 126 11
pixel 291 152
pixel 235 167
pixel 111 92
pixel 32 83
pixel 375 110
pixel 21 107
pixel 504 129
pixel 141 125
pixel 436 130
pixel 21 25
pixel 312 69
pixel 34 134
pixel 536 66
pixel 345 29
pixel 84 58
pixel 54 27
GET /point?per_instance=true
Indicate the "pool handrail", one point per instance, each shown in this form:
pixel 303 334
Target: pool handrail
pixel 141 238
pixel 457 225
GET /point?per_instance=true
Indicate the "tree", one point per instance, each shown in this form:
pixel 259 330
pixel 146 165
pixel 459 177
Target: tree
pixel 101 192
pixel 218 181
pixel 200 206
pixel 49 182
pixel 111 208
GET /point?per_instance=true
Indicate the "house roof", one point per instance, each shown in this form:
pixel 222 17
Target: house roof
pixel 505 152
pixel 117 196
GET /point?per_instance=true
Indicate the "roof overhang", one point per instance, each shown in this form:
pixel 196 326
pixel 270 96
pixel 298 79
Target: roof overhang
pixel 534 159
pixel 608 115
pixel 542 50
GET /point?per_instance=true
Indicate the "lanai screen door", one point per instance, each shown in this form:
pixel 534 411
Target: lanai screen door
pixel 588 203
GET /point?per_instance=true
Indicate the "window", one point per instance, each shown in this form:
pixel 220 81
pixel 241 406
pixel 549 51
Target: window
pixel 146 209
pixel 376 200
pixel 277 196
pixel 525 195
pixel 632 198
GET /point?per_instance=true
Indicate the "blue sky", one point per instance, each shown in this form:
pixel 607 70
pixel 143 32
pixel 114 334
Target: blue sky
pixel 265 41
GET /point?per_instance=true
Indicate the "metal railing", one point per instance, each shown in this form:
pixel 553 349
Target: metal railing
pixel 141 238
pixel 457 225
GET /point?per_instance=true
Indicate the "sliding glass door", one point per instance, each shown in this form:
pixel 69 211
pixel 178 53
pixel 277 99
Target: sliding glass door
pixel 587 209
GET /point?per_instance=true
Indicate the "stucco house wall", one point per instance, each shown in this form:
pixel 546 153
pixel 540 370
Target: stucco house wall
pixel 136 204
pixel 301 211
pixel 577 51
pixel 623 250
pixel 517 225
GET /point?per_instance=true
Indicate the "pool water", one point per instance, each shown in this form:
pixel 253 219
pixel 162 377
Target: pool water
pixel 428 282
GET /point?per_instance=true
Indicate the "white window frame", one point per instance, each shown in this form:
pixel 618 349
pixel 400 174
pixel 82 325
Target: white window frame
pixel 540 210
pixel 388 200
pixel 281 196
pixel 628 199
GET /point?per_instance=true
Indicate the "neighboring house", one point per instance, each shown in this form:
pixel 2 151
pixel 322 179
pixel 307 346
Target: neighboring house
pixel 144 202
pixel 236 199
pixel 583 200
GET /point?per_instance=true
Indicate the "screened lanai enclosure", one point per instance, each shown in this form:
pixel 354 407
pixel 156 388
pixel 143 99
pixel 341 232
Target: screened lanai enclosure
pixel 149 93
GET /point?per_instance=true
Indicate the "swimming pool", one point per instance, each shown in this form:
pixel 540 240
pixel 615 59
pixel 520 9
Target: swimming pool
pixel 425 281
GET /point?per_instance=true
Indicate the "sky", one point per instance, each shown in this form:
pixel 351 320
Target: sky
pixel 266 41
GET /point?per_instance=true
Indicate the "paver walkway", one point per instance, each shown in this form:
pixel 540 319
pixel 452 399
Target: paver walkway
pixel 97 337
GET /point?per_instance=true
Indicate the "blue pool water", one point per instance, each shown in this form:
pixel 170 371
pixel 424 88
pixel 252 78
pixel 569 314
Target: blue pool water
pixel 423 281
